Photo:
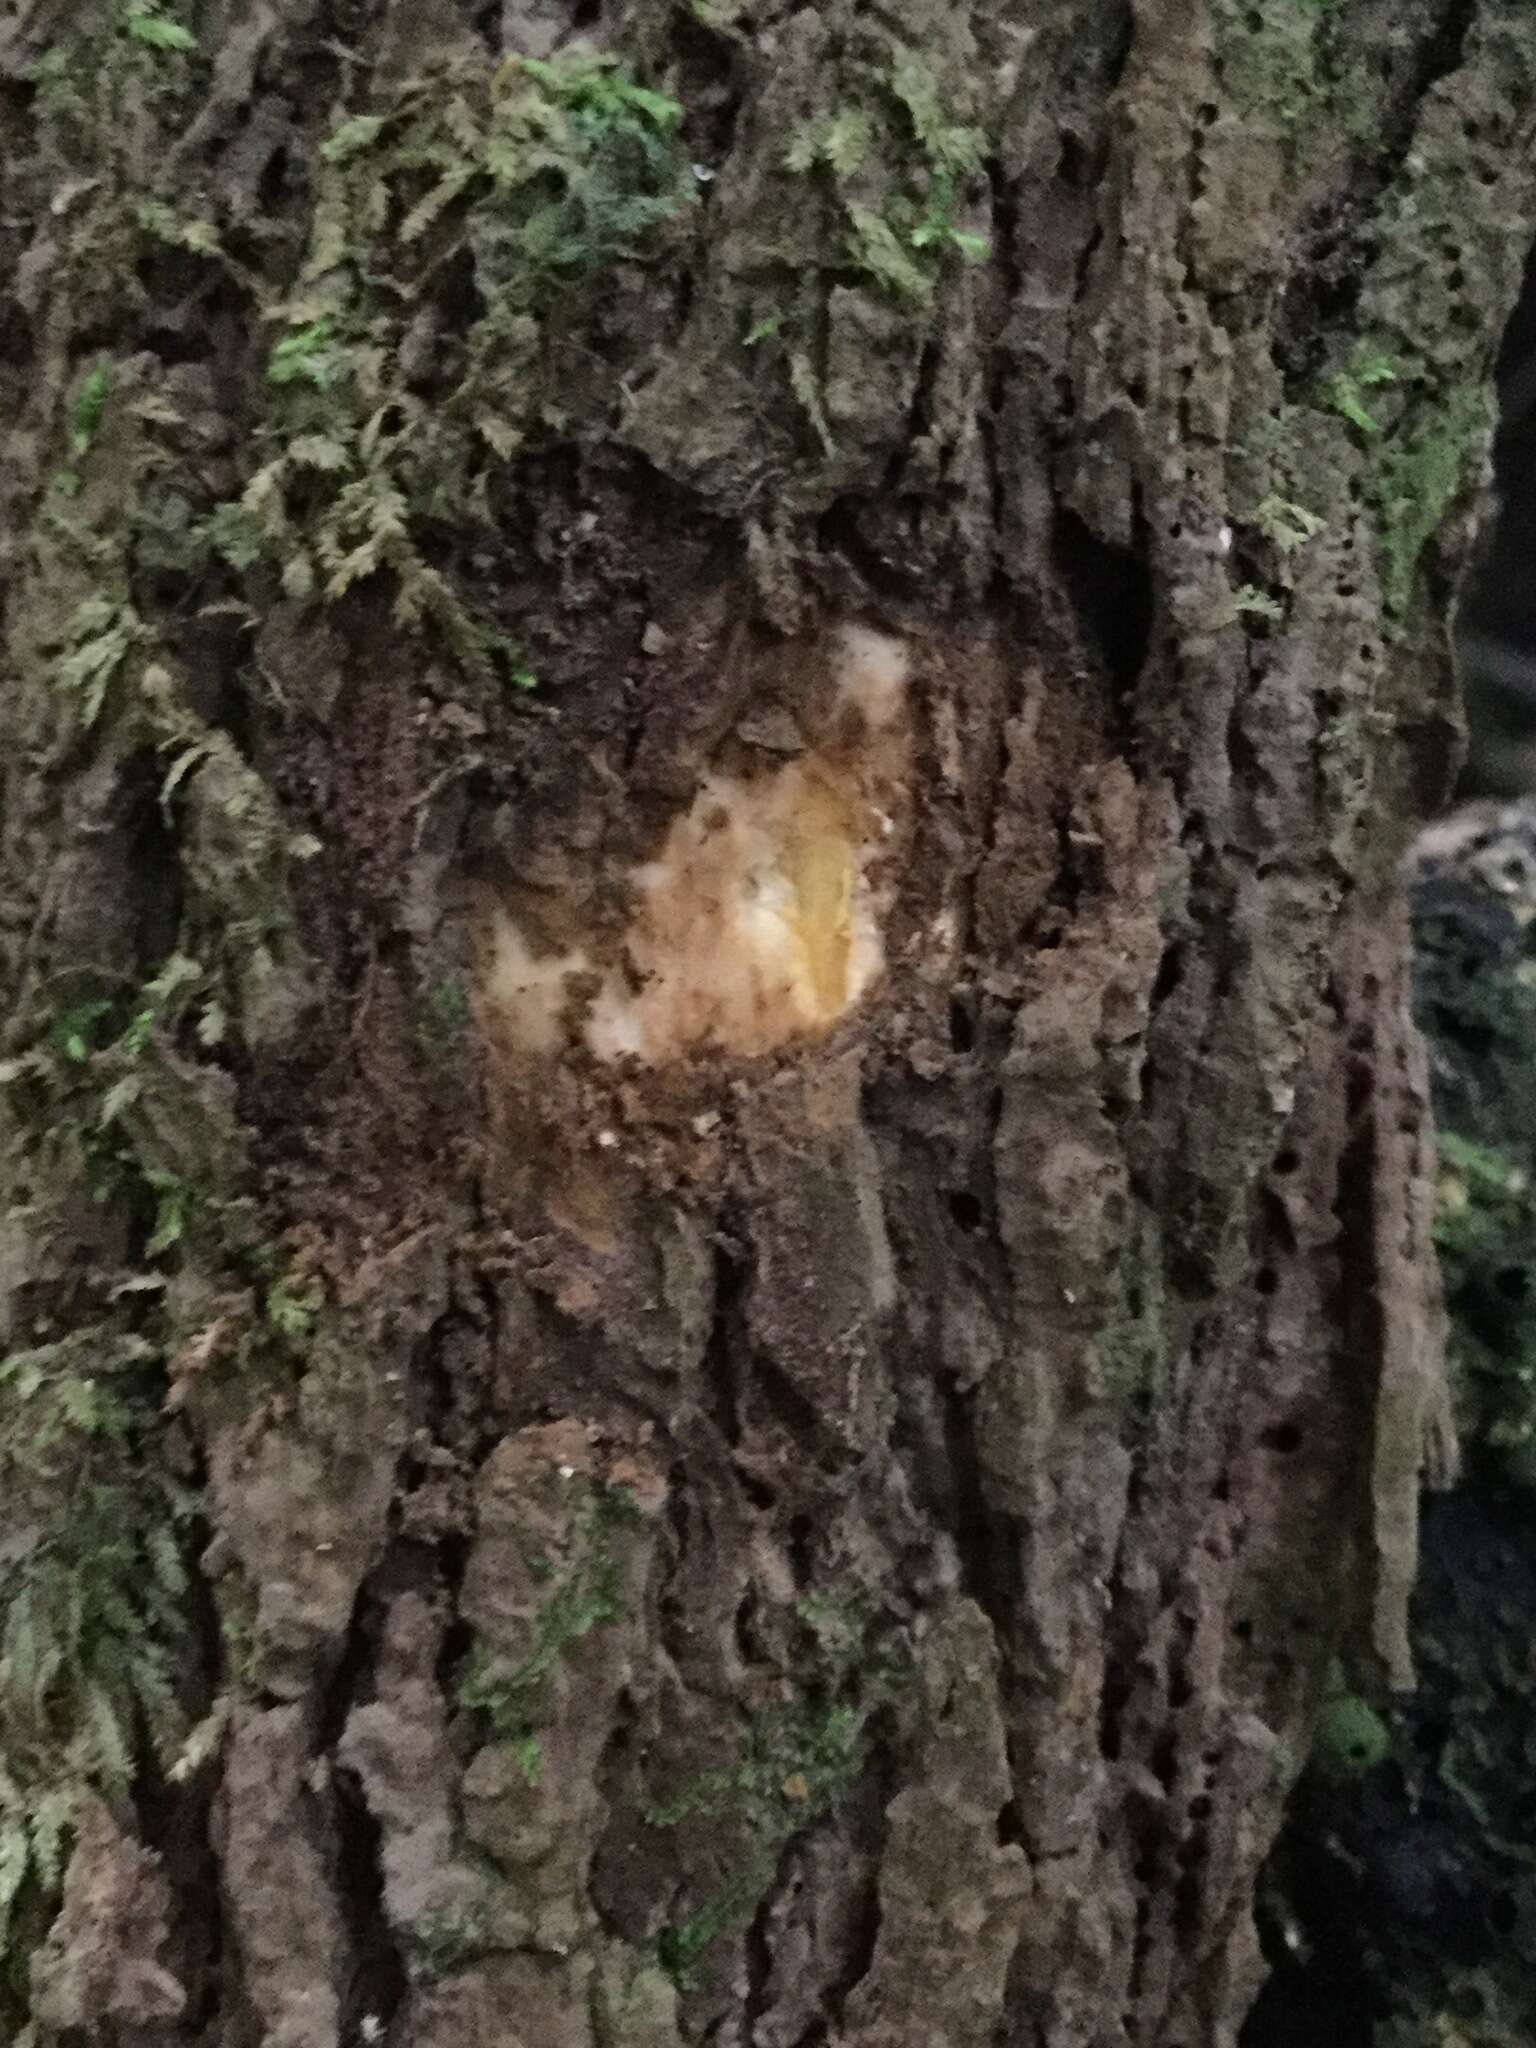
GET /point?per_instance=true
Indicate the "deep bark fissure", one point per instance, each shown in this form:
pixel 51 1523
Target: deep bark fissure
pixel 376 1976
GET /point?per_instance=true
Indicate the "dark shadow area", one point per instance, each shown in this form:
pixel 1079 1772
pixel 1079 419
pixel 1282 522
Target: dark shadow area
pixel 1111 591
pixel 1496 625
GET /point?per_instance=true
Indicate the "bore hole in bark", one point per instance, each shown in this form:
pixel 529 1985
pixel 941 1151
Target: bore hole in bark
pixel 172 346
pixel 1111 591
pixel 1169 969
pixel 1287 1159
pixel 458 1641
pixel 966 1209
pixel 1073 166
pixel 1284 1437
pixel 378 1979
pixel 1010 1825
pixel 1243 1630
pixel 747 1640
pixel 1431 1736
pixel 760 1495
pixel 1266 1281
pixel 269 187
pixel 962 1025
pixel 802 1536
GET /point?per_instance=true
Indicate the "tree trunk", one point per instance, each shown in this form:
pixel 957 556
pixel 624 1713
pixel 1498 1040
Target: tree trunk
pixel 715 1261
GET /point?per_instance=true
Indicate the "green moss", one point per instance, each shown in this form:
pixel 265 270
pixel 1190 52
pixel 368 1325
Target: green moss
pixel 1421 434
pixel 95 1632
pixel 446 1940
pixel 112 66
pixel 1280 67
pixel 585 1588
pixel 90 403
pixel 94 1625
pixel 1285 524
pixel 1267 54
pixel 1347 391
pixel 1425 467
pixel 897 163
pixel 152 24
pixel 442 1016
pixel 536 176
pixel 1131 1350
pixel 1351 1738
pixel 81 1092
pixel 34 1838
pixel 681 1948
pixel 539 176
pixel 116 670
pixel 799 1759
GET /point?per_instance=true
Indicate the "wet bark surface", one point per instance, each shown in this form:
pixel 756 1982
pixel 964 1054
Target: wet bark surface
pixel 552 1495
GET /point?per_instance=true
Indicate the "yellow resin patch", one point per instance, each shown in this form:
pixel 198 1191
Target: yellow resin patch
pixel 759 921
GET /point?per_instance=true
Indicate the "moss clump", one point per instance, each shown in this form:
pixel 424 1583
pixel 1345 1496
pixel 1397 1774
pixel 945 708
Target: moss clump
pixel 455 231
pixel 100 92
pixel 799 1759
pixel 526 181
pixel 444 1941
pixel 94 1627
pixel 1351 1738
pixel 96 1637
pixel 1348 392
pixel 1424 469
pixel 1131 1350
pixel 1268 58
pixel 1475 1000
pixel 92 637
pixel 1283 66
pixel 442 1017
pixel 897 163
pixel 585 1588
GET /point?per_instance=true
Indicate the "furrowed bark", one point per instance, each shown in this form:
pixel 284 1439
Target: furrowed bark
pixel 715 1183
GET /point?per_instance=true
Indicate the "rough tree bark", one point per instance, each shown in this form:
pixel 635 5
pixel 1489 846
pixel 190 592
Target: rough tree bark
pixel 714 1253
pixel 1403 1873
